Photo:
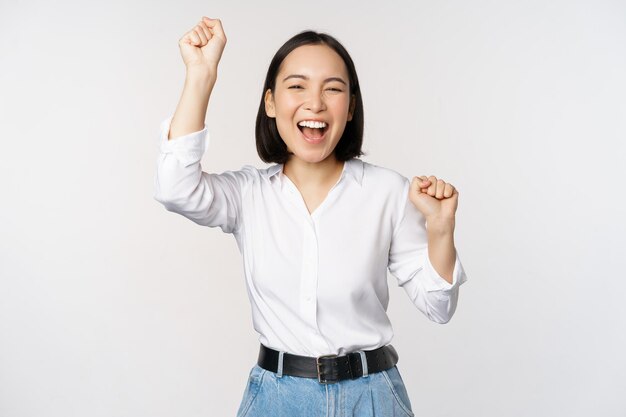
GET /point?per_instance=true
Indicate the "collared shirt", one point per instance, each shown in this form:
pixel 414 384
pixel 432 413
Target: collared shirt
pixel 317 282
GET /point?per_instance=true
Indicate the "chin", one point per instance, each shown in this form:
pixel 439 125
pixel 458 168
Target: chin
pixel 313 157
pixel 305 154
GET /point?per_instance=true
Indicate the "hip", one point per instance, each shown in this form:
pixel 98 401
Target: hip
pixel 379 394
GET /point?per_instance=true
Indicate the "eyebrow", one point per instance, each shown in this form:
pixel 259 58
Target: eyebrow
pixel 304 77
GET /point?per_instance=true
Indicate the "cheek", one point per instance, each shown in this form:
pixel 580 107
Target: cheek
pixel 284 119
pixel 341 106
pixel 286 105
pixel 284 127
pixel 346 103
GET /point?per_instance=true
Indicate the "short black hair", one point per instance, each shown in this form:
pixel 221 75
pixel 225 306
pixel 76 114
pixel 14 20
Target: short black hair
pixel 269 144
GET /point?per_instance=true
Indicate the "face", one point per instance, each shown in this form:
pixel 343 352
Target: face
pixel 312 85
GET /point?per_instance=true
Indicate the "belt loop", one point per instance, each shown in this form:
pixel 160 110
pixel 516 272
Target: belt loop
pixel 279 371
pixel 363 363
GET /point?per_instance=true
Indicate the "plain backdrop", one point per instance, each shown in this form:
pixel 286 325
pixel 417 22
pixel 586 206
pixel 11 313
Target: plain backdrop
pixel 112 306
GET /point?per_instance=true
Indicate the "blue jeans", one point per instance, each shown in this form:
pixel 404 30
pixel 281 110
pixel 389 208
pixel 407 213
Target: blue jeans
pixel 268 394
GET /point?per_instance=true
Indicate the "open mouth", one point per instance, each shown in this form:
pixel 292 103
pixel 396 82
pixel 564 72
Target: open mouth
pixel 313 134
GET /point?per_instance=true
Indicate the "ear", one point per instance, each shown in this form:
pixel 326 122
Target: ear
pixel 352 106
pixel 269 104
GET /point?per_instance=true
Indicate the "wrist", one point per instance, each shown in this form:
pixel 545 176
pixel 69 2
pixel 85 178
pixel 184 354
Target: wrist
pixel 440 226
pixel 200 76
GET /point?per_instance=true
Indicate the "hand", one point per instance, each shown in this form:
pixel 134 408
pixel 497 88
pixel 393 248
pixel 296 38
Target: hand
pixel 434 198
pixel 203 45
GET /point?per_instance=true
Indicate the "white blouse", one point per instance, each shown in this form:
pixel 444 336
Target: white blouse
pixel 317 283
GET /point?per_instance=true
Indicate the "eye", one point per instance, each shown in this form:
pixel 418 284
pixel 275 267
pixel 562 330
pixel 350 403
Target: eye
pixel 335 89
pixel 295 86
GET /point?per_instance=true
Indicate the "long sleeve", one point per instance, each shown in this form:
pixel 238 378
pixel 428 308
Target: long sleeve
pixel 207 199
pixel 410 264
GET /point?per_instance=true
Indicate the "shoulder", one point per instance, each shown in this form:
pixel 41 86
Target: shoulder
pixel 391 179
pixel 249 172
pixel 244 177
pixel 250 175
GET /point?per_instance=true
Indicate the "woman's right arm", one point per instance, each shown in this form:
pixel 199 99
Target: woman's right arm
pixel 208 199
pixel 201 49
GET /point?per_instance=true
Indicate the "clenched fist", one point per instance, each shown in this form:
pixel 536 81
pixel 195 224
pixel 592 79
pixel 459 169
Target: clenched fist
pixel 203 45
pixel 434 198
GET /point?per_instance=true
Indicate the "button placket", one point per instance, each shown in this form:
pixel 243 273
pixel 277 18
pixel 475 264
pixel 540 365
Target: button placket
pixel 308 279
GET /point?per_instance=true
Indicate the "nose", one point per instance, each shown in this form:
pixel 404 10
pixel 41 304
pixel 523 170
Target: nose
pixel 315 102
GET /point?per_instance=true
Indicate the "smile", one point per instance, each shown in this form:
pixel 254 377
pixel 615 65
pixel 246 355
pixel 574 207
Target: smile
pixel 313 131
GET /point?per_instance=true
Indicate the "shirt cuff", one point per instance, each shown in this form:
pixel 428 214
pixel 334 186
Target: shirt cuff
pixel 436 282
pixel 188 149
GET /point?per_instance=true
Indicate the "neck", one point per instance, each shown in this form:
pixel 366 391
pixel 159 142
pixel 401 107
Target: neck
pixel 303 173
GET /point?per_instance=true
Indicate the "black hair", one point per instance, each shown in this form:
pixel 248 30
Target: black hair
pixel 270 146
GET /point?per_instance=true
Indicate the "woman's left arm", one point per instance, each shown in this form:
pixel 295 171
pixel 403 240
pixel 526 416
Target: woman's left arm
pixel 422 255
pixel 437 201
pixel 441 250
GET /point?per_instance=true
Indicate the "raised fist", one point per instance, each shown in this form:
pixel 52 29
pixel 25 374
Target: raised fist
pixel 203 45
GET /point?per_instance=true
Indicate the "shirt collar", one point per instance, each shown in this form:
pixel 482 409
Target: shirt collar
pixel 353 168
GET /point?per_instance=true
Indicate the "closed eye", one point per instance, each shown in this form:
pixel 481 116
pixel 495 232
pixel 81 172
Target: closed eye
pixel 300 87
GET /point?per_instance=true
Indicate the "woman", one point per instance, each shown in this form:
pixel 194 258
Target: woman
pixel 317 230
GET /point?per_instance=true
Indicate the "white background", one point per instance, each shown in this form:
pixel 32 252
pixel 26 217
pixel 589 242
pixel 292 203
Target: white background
pixel 112 306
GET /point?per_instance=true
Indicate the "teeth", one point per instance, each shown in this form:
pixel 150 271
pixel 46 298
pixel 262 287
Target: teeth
pixel 309 123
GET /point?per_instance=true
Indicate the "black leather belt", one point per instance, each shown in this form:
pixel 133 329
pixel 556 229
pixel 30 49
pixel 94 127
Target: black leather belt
pixel 329 368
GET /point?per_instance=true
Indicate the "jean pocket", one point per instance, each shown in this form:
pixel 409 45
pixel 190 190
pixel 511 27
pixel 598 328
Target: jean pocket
pixel 398 389
pixel 255 380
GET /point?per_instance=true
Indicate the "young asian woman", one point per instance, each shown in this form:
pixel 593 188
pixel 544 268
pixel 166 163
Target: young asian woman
pixel 318 230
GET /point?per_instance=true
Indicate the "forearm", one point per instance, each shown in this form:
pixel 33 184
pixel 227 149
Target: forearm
pixel 441 250
pixel 191 110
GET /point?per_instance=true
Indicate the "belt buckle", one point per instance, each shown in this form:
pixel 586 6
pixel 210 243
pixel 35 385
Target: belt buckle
pixel 319 375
